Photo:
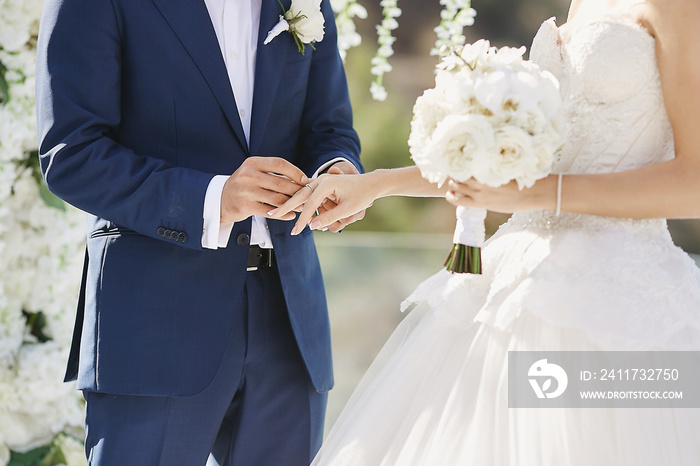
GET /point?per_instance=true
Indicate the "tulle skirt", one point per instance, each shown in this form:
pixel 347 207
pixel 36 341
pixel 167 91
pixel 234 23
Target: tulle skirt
pixel 437 394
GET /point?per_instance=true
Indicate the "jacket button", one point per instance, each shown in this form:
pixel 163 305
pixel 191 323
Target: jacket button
pixel 161 231
pixel 166 234
pixel 182 237
pixel 243 239
pixel 174 235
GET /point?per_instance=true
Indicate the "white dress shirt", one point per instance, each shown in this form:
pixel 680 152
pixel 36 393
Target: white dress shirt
pixel 237 24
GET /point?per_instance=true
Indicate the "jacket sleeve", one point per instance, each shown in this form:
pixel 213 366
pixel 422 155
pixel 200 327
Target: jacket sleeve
pixel 79 115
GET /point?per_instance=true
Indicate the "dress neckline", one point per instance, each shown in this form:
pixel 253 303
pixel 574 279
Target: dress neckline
pixel 567 31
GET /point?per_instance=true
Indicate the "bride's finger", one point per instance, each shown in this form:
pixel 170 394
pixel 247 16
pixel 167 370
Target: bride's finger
pixel 339 215
pixel 315 200
pixel 459 199
pixel 469 185
pixel 293 204
pixel 329 217
pixel 330 204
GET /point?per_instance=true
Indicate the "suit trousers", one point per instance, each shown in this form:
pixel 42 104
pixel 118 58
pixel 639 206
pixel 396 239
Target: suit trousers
pixel 260 408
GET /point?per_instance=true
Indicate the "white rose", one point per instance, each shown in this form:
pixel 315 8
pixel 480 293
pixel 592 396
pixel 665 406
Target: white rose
pixel 545 153
pixel 13 38
pixel 14 26
pixel 306 20
pixel 428 111
pixel 516 159
pixel 458 145
pixel 36 404
pixel 503 90
pixel 456 89
pixel 474 54
pixel 508 56
pixel 24 432
pixel 533 121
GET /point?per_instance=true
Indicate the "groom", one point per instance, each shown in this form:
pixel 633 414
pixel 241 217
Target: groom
pixel 202 327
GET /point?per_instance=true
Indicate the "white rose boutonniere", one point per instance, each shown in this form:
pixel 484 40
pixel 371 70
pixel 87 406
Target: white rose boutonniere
pixel 304 20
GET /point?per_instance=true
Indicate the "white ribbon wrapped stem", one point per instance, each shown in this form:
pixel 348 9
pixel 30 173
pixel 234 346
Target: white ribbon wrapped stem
pixel 278 29
pixel 470 229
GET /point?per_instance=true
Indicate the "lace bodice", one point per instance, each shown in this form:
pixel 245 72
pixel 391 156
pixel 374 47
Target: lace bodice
pixel 611 93
pixel 613 107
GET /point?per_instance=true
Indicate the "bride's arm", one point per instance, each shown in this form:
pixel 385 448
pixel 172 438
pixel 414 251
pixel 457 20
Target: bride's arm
pixel 665 190
pixel 354 193
pixel 405 181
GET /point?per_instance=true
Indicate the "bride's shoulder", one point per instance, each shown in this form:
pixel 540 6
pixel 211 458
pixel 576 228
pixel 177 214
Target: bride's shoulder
pixel 675 20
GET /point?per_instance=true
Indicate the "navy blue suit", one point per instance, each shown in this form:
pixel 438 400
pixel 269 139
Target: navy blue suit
pixel 136 115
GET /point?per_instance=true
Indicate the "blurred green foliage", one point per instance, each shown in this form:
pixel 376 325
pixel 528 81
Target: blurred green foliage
pixel 384 128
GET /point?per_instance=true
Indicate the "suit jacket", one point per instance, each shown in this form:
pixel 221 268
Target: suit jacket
pixel 136 115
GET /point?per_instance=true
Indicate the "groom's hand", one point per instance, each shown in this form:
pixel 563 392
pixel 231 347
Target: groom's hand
pixel 260 182
pixel 341 168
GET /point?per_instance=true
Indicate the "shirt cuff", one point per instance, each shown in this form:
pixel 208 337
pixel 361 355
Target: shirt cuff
pixel 215 233
pixel 328 165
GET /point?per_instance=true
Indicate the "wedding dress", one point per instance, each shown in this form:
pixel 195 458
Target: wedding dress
pixel 437 393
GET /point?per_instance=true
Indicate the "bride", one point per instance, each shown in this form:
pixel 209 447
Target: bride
pixel 603 275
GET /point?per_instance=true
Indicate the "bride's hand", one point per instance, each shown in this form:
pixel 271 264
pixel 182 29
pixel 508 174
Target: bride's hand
pixel 507 198
pixel 342 197
pixel 340 168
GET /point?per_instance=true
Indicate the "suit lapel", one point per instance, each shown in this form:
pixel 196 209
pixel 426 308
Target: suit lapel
pixel 191 23
pixel 269 62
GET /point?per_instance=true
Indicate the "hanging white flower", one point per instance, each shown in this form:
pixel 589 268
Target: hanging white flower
pixel 456 15
pixel 346 11
pixel 380 62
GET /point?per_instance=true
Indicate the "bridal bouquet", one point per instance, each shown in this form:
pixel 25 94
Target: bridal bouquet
pixel 491 116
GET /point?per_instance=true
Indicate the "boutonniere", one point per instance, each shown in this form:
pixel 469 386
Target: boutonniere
pixel 304 21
